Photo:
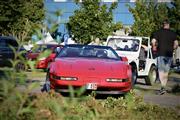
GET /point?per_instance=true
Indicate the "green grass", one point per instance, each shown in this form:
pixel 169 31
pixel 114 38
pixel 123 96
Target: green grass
pixel 36 74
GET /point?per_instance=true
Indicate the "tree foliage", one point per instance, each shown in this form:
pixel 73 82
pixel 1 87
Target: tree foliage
pixel 17 16
pixel 148 17
pixel 161 14
pixel 174 15
pixel 93 19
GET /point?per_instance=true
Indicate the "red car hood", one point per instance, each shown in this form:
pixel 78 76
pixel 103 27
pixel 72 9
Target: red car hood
pixel 89 67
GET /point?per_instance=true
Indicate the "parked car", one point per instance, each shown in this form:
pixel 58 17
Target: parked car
pixel 43 62
pixel 7 53
pixel 36 50
pixel 97 68
pixel 139 54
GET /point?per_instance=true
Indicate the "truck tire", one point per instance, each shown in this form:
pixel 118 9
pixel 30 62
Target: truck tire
pixel 134 76
pixel 152 76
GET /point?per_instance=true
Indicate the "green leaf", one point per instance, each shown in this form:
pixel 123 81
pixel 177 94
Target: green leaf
pixel 92 20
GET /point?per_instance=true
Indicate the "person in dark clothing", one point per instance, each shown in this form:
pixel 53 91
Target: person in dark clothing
pixel 165 42
pixel 142 57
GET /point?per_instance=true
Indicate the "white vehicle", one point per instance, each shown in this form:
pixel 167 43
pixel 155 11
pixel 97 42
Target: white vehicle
pixel 176 60
pixel 139 55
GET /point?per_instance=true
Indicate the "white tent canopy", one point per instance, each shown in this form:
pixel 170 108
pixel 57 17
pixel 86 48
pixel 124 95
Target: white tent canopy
pixel 69 41
pixel 47 40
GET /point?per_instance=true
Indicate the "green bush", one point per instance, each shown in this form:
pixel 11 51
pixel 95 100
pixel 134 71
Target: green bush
pixel 16 104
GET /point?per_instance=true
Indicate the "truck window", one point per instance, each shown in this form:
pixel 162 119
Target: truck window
pixel 123 44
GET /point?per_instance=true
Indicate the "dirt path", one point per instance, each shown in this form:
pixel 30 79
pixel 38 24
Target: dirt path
pixel 170 99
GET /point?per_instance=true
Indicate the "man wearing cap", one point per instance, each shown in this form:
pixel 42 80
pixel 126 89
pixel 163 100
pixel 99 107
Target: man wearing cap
pixel 165 42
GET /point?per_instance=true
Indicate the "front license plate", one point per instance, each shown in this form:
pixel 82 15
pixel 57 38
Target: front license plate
pixel 91 86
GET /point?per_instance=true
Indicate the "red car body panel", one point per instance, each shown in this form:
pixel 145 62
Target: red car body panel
pixel 91 71
pixel 43 64
pixel 32 56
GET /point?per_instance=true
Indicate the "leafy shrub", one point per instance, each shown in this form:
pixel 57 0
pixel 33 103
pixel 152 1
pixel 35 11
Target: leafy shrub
pixel 18 104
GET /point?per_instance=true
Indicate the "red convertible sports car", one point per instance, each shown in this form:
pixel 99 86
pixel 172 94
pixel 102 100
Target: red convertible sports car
pixel 97 68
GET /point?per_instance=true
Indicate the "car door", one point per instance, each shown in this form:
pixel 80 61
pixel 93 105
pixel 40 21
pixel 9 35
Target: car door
pixel 11 43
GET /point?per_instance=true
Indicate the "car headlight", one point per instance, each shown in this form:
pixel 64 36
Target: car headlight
pixel 43 58
pixel 64 78
pixel 116 80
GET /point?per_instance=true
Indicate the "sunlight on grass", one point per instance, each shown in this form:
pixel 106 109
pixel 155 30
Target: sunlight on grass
pixel 36 74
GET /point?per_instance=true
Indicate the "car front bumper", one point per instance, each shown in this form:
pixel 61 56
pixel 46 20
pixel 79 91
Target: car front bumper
pixel 102 88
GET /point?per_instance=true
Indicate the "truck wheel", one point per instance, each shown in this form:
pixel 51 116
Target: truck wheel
pixel 152 76
pixel 134 76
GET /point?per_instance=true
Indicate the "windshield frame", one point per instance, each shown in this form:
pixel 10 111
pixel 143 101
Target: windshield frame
pixel 83 47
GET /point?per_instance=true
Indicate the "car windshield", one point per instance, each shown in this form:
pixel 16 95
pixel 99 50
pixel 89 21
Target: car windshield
pixel 124 44
pixel 89 51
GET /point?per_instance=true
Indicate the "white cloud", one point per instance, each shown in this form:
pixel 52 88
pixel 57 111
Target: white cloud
pixel 60 0
pixel 109 0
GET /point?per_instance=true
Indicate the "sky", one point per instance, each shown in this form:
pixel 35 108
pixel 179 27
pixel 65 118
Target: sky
pixel 121 13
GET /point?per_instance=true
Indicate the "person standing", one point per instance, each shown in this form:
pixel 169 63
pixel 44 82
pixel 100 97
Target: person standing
pixel 165 41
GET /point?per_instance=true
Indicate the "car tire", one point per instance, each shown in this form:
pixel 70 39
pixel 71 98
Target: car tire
pixel 152 76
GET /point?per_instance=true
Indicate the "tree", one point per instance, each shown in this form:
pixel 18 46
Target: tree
pixel 148 17
pixel 175 16
pixel 143 16
pixel 93 19
pixel 161 14
pixel 20 16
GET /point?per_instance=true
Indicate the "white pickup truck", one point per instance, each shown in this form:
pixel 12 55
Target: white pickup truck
pixel 139 54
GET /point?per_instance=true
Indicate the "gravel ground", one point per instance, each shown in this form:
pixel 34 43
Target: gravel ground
pixel 170 99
